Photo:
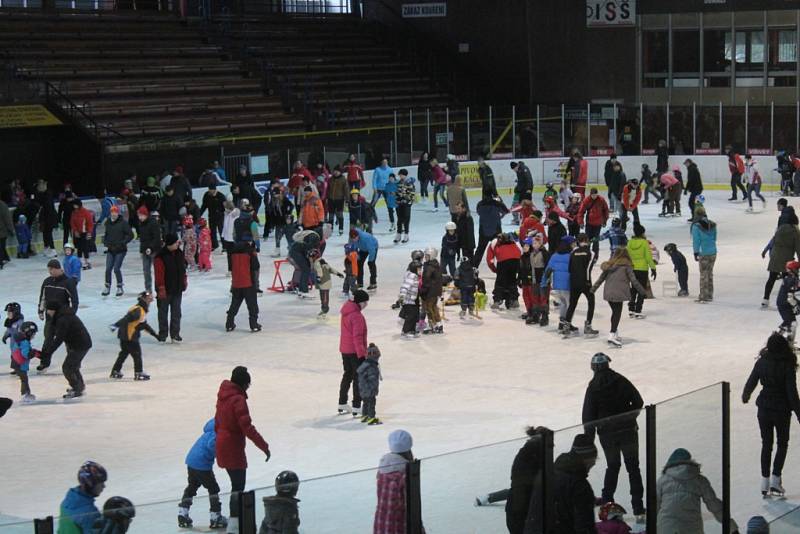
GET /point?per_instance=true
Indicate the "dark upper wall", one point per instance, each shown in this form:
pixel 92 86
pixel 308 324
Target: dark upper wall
pixel 688 6
pixel 515 41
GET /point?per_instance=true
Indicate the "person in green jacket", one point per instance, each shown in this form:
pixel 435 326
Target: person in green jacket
pixel 78 512
pixel 642 257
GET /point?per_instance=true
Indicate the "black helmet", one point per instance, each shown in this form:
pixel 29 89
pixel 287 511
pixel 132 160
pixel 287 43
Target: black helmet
pixel 14 308
pixel 29 329
pixel 417 255
pixel 600 362
pixel 287 483
pixel 120 511
pixel 615 221
pixel 414 266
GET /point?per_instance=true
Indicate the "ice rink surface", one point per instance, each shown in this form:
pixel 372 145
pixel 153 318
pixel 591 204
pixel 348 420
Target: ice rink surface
pixel 480 383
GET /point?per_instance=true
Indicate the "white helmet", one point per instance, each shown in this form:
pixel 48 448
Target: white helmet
pixel 576 195
pixel 69 246
pixel 450 226
pixel 431 253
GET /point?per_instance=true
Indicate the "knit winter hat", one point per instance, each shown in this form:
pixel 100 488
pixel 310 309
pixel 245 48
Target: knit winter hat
pixel 170 239
pixel 638 230
pixel 400 441
pixel 777 344
pixel 241 377
pixel 359 296
pixel 757 525
pixel 373 351
pixel 678 456
pixel 53 264
pixel 584 447
pixel 143 211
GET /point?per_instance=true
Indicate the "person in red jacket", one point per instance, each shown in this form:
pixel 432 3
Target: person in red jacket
pixel 232 424
pixel 581 174
pixel 81 224
pixel 355 173
pixel 353 346
pixel 533 223
pixel 595 210
pixel 503 258
pixel 631 196
pixel 244 263
pixel 295 183
pixel 736 166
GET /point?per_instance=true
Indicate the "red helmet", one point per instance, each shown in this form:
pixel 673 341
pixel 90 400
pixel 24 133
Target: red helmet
pixel 610 510
pixel 792 266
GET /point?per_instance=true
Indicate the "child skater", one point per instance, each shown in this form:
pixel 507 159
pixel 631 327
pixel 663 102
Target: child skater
pixel 23 352
pixel 612 519
pixel 409 300
pixel 540 295
pixel 14 320
pixel 204 246
pixel 323 272
pixel 525 278
pixel 787 303
pixel 189 242
pixel 466 281
pixel 680 267
pixel 450 249
pixel 23 237
pixel 558 266
pixel 350 270
pixel 200 468
pixel 369 379
pixel 129 329
pixel 574 206
pixel 72 264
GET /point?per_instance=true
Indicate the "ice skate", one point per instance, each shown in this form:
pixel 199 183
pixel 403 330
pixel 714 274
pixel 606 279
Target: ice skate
pixel 495 305
pixel 428 330
pixel 230 327
pixel 749 209
pixel 462 314
pixel 372 287
pixel 177 339
pixel 343 409
pixel 764 486
pixel 184 521
pixel 115 375
pixel 28 398
pixel 119 292
pixel 374 421
pixel 482 500
pixel 776 486
pixel 765 304
pixel 638 315
pixel 588 331
pixel 570 330
pixel 217 521
pixel 683 293
pixel 344 295
pixel 614 340
pixel 405 238
pixel 356 413
pixel 256 328
pixel 277 253
pixel 106 291
pixel 305 296
pixel 322 315
pixel 409 335
pixel 397 237
pixel 141 376
pixel 544 320
pixel 438 329
pixel 392 228
pixel 41 369
pixel 72 394
pixel 364 419
pixel 474 313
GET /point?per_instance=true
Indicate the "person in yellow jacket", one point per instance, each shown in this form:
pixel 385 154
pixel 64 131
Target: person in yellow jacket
pixel 128 330
pixel 642 257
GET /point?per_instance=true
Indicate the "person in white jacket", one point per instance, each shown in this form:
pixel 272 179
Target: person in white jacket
pixel 231 214
pixel 679 491
pixel 753 180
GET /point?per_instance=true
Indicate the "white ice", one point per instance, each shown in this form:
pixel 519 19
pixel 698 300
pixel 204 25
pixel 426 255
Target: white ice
pixel 480 383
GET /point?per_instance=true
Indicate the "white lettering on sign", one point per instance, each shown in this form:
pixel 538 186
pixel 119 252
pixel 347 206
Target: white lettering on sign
pixel 438 9
pixel 610 13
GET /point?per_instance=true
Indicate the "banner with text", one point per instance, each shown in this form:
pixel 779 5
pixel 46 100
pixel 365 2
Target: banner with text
pixel 600 13
pixel 26 117
pixel 437 9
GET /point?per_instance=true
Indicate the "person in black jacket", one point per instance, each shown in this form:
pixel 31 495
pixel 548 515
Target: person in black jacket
pixel 662 158
pixel 64 213
pixel 149 244
pixel 214 202
pixel 278 217
pixel 117 235
pixel 129 330
pixel 580 283
pixel 610 395
pixel 424 174
pixel 60 289
pixel 48 218
pixel 573 495
pixel 488 184
pixel 170 210
pixel 69 330
pixel 776 370
pixel 170 270
pixel 465 230
pixel 694 184
pixel 555 231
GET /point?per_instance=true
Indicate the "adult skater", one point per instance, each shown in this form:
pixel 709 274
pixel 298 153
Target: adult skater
pixel 488 183
pixel 353 348
pixel 776 370
pixel 593 216
pixel 617 274
pixel 232 425
pixel 245 265
pixel 336 196
pixel 171 282
pixel 60 289
pixel 354 172
pixel 367 246
pixel 390 510
pixel 405 197
pixel 465 230
pixel 610 395
pixel 782 248
pixel 304 243
pixel 456 194
pixel 580 174
pixel 631 194
pixel 704 242
pixel 78 513
pixel 424 174
pixel 662 157
pixel 572 493
pixel 580 283
pixel 753 179
pixel 524 186
pixel 680 489
pixel 491 211
pixel 380 177
pixel 214 202
pixel 117 235
pixel 736 168
pixel 642 257
pixel 694 185
pixel 149 243
pixel 68 329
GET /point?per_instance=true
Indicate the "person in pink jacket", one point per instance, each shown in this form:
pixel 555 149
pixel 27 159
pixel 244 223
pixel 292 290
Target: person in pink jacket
pixel 669 186
pixel 353 346
pixel 440 180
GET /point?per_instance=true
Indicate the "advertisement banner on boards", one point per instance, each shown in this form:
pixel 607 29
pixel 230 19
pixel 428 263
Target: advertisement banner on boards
pixel 470 177
pixel 604 13
pixel 26 117
pixel 436 9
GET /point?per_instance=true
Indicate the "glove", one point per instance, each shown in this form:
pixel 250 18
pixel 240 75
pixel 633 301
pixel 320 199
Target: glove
pixel 696 257
pixel 763 254
pixel 340 275
pixel 36 353
pixel 113 327
pixel 745 400
pixel 5 337
pixel 269 455
pixel 41 316
pixel 653 274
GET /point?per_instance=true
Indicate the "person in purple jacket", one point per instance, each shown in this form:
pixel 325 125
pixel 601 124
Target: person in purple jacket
pixel 200 468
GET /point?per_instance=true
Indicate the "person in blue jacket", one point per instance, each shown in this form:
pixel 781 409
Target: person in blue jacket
pixel 72 264
pixel 558 266
pixel 367 246
pixel 24 237
pixel 380 177
pixel 704 242
pixel 390 193
pixel 200 468
pixel 78 513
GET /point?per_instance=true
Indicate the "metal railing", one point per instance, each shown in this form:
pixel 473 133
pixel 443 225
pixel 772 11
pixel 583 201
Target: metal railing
pixel 76 113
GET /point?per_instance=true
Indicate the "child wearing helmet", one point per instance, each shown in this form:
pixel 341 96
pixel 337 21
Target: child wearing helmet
pixel 281 515
pixel 78 512
pixel 200 472
pixel 23 237
pixel 612 519
pixel 408 299
pixel 21 357
pixel 118 513
pixel 129 330
pixel 450 249
pixel 71 263
pixel 14 319
pixel 572 209
pixel 787 302
pixel 204 247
